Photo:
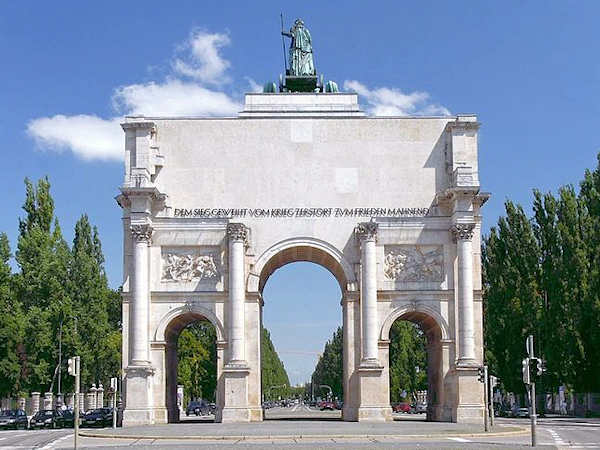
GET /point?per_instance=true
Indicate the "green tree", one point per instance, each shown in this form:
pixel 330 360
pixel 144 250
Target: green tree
pixel 512 297
pixel 93 322
pixel 589 322
pixel 272 369
pixel 11 327
pixel 408 360
pixel 197 367
pixel 41 285
pixel 329 369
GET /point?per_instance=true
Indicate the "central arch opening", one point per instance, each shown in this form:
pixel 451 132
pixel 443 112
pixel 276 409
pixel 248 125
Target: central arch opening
pixel 301 288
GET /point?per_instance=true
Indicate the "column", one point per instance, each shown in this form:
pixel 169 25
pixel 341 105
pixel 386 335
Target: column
pixel 35 402
pixel 100 396
pixel 138 316
pixel 463 233
pixel 238 237
pixel 367 233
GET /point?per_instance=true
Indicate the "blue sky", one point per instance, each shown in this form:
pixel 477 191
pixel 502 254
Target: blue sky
pixel 529 70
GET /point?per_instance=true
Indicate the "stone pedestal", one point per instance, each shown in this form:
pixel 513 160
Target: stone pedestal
pixel 48 397
pixel 100 396
pixel 374 397
pixel 35 402
pixel 236 398
pixel 139 386
pixel 469 406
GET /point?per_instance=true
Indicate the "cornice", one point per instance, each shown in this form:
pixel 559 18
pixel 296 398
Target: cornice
pixel 138 124
pixel 462 125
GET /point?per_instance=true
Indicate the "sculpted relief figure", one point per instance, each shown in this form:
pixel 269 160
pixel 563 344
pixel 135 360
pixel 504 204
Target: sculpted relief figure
pixel 414 263
pixel 188 267
pixel 301 52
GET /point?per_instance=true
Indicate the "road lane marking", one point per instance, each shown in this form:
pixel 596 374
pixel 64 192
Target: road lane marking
pixel 54 442
pixel 457 439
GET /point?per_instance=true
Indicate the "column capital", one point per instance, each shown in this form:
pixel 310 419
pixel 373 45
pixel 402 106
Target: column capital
pixel 142 232
pixel 237 232
pixel 366 231
pixel 463 231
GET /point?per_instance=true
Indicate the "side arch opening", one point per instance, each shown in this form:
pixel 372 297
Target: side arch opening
pixel 191 351
pixel 423 340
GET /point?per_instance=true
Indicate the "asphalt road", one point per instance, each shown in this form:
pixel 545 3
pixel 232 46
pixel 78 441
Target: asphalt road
pixel 552 433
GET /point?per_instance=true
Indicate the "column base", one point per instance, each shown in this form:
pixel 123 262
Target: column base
pixel 375 414
pixel 236 409
pixel 161 415
pixel 373 406
pixel 138 383
pixel 133 417
pixel 349 414
pixel 469 407
pixel 468 362
pixel 237 414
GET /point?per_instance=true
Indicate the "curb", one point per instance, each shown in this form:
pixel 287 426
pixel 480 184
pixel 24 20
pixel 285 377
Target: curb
pixel 205 437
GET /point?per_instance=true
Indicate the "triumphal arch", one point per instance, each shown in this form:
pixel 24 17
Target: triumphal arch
pixel 390 206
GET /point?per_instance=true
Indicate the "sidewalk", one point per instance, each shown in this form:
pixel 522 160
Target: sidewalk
pixel 286 429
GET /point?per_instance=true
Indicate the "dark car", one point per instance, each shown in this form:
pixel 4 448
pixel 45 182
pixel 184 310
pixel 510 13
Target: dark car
pixel 47 418
pixel 69 418
pixel 13 418
pixel 100 417
pixel 200 408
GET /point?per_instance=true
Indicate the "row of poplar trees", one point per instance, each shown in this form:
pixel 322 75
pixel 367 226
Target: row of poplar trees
pixel 197 370
pixel 542 277
pixel 59 292
pixel 408 363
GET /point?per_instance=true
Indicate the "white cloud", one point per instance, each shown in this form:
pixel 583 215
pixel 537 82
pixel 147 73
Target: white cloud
pixel 254 86
pixel 385 101
pixel 204 62
pixel 173 98
pixel 89 137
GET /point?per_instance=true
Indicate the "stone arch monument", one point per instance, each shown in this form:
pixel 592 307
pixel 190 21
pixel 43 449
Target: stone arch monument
pixel 391 206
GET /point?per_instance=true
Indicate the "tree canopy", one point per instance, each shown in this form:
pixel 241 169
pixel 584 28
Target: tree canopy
pixel 541 277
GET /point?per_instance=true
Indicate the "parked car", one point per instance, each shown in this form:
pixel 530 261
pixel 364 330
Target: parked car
pixel 47 418
pixel 200 408
pixel 419 408
pixel 522 412
pixel 69 418
pixel 402 408
pixel 13 418
pixel 102 417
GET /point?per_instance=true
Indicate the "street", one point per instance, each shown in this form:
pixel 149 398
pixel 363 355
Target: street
pixel 300 426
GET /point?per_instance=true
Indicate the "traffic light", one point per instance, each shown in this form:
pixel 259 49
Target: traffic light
pixel 525 370
pixel 541 367
pixel 481 375
pixel 71 367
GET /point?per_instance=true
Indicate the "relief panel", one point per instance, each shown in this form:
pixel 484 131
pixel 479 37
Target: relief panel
pixel 414 263
pixel 200 265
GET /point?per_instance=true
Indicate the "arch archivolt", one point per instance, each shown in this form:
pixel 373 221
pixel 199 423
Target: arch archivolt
pixel 301 249
pixel 188 309
pixel 417 312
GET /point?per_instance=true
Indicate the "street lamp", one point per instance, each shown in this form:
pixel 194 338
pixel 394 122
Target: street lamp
pixel 330 396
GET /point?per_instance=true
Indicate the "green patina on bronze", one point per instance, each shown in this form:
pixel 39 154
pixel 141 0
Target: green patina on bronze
pixel 300 72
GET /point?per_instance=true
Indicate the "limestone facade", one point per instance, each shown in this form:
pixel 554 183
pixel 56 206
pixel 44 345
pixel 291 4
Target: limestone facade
pixel 212 207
